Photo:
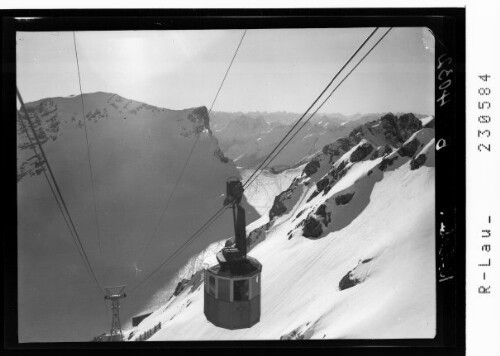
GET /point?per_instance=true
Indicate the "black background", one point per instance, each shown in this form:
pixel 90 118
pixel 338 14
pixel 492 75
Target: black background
pixel 448 27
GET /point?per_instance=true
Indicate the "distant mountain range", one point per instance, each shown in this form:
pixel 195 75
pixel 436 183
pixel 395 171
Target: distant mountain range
pixel 247 138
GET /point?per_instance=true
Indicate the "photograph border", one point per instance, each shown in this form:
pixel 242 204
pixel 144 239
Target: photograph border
pixel 448 27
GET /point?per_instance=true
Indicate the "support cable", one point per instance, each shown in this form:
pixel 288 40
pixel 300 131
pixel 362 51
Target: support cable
pixel 89 160
pixel 167 205
pixel 62 204
pixel 196 234
pixel 314 103
pixel 319 107
pixel 33 147
pixel 155 231
pixel 214 217
pixel 227 71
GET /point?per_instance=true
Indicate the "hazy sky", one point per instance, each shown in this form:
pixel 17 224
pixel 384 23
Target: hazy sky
pixel 275 70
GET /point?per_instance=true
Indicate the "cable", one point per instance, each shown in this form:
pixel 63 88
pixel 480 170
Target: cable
pixel 32 145
pixel 71 225
pixel 62 207
pixel 89 159
pixel 196 234
pixel 214 217
pixel 315 101
pixel 328 97
pixel 227 71
pixel 167 205
pixel 37 155
pixel 185 165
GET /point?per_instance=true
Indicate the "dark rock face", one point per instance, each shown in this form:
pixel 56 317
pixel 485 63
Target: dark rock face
pixel 200 122
pixel 322 183
pixel 325 184
pixel 199 116
pixel 431 124
pixel 387 149
pixel 46 123
pixel 299 214
pixel 312 228
pixel 33 166
pixel 196 280
pixel 345 144
pixel 348 281
pixel 337 173
pixel 397 131
pixel 292 335
pixel 409 149
pixel 278 207
pixel 97 115
pixel 343 199
pixel 326 216
pixel 390 126
pixel 341 166
pixel 386 162
pixel 256 237
pixel 357 134
pixel 417 162
pixel 331 150
pixel 381 152
pixel 341 145
pixel 311 168
pixel 303 332
pixel 218 153
pixel 409 124
pixel 181 286
pixel 361 152
pixel 313 195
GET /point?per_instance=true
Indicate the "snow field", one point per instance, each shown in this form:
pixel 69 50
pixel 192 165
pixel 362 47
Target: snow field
pixel 391 222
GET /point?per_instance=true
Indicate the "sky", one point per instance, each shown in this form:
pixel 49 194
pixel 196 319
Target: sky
pixel 274 70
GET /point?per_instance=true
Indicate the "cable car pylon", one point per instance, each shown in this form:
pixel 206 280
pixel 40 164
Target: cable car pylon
pixel 115 294
pixel 232 287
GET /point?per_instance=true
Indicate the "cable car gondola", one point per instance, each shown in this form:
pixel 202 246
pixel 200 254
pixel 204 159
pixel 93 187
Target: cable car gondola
pixel 232 287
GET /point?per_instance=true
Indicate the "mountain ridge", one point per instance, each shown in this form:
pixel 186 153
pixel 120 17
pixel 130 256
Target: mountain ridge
pixel 137 152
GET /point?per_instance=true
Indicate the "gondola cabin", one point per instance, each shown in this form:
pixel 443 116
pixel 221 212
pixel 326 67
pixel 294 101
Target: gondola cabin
pixel 232 294
pixel 233 286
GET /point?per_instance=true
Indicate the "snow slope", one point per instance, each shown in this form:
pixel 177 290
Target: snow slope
pixel 367 266
pixel 137 153
pixel 260 194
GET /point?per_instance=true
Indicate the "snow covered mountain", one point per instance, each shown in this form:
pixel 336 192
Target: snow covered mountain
pixel 348 249
pixel 137 152
pixel 247 138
